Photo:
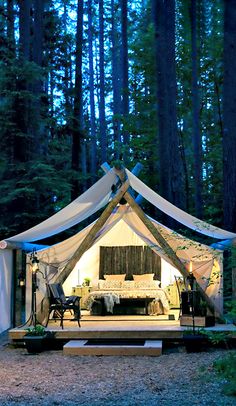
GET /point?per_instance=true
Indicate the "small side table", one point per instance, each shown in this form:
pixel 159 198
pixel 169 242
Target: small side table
pixel 83 292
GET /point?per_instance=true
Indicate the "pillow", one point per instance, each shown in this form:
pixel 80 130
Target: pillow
pixel 109 284
pixel 100 283
pixel 147 285
pixel 128 285
pixel 120 277
pixel 147 277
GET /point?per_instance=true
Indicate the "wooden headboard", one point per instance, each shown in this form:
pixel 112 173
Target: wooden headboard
pixel 130 260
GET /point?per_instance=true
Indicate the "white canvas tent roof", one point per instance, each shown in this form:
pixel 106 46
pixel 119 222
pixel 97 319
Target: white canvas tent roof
pixel 97 197
pixel 83 207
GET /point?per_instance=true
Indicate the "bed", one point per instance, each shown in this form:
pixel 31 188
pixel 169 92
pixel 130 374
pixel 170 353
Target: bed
pixel 115 295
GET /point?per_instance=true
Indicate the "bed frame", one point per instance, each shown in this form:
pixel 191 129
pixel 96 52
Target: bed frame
pixel 129 260
pixel 125 307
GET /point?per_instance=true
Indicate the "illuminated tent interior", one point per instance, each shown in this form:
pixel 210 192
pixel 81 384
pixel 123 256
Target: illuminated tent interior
pixel 122 227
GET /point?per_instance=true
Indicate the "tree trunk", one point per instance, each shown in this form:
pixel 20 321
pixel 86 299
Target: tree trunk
pixel 171 167
pixel 24 28
pixel 185 169
pixel 10 25
pixel 22 147
pixel 93 147
pixel 38 125
pixel 229 116
pixel 102 115
pixel 176 165
pixel 196 135
pixel 115 79
pixel 159 24
pixel 124 71
pixel 67 73
pixel 38 35
pixel 77 120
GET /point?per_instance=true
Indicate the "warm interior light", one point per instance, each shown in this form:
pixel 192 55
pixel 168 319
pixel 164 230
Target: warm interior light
pixel 34 262
pixel 35 267
pixel 21 280
pixel 190 267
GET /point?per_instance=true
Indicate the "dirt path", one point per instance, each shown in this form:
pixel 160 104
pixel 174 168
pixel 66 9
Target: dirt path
pixel 50 378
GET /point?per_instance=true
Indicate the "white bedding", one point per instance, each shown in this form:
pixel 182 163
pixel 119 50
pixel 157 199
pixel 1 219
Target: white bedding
pixel 115 294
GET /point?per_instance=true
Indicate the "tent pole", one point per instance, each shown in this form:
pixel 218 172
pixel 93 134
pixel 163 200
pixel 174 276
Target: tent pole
pixel 90 237
pixel 166 247
pixel 137 168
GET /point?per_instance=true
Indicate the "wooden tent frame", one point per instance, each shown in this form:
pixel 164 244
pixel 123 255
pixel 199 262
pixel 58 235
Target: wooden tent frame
pixel 89 240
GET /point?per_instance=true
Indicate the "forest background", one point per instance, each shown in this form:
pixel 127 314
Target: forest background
pixel 88 81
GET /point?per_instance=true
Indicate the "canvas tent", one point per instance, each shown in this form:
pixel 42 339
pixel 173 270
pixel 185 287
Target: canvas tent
pixel 55 259
pixel 125 228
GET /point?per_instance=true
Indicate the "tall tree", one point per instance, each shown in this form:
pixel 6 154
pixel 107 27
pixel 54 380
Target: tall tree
pixel 102 114
pixel 171 170
pixel 115 77
pixel 77 120
pixel 67 67
pixel 229 115
pixel 124 69
pixel 93 143
pixel 38 29
pixel 197 142
pixel 39 59
pixel 24 28
pixel 10 24
pixel 209 86
pixel 22 104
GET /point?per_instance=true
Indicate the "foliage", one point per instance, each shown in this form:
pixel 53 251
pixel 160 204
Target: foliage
pixel 192 331
pixel 36 127
pixel 231 309
pixel 86 281
pixel 215 337
pixel 226 368
pixel 209 48
pixel 38 330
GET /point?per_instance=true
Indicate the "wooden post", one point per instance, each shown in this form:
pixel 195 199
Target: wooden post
pixel 233 254
pixel 16 245
pixel 90 237
pixel 4 244
pixel 18 290
pixel 137 168
pixel 165 246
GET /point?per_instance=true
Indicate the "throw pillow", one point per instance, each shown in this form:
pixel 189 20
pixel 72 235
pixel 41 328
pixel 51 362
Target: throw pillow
pixel 147 277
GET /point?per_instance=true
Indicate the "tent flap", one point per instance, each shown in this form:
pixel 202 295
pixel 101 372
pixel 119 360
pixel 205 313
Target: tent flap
pixel 6 265
pixel 96 197
pixel 176 213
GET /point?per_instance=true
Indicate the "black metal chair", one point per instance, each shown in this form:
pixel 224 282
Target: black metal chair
pixel 59 304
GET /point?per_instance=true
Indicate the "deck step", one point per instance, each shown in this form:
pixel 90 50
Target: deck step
pixel 90 347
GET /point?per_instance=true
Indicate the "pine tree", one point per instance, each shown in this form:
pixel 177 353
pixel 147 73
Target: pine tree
pixel 171 176
pixel 229 109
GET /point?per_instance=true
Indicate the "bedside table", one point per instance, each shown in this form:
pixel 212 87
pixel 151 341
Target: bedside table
pixel 173 294
pixel 83 292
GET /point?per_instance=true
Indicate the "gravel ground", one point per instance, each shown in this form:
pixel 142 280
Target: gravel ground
pixel 50 378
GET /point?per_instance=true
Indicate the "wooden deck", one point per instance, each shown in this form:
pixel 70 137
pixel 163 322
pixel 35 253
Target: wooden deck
pixel 119 327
